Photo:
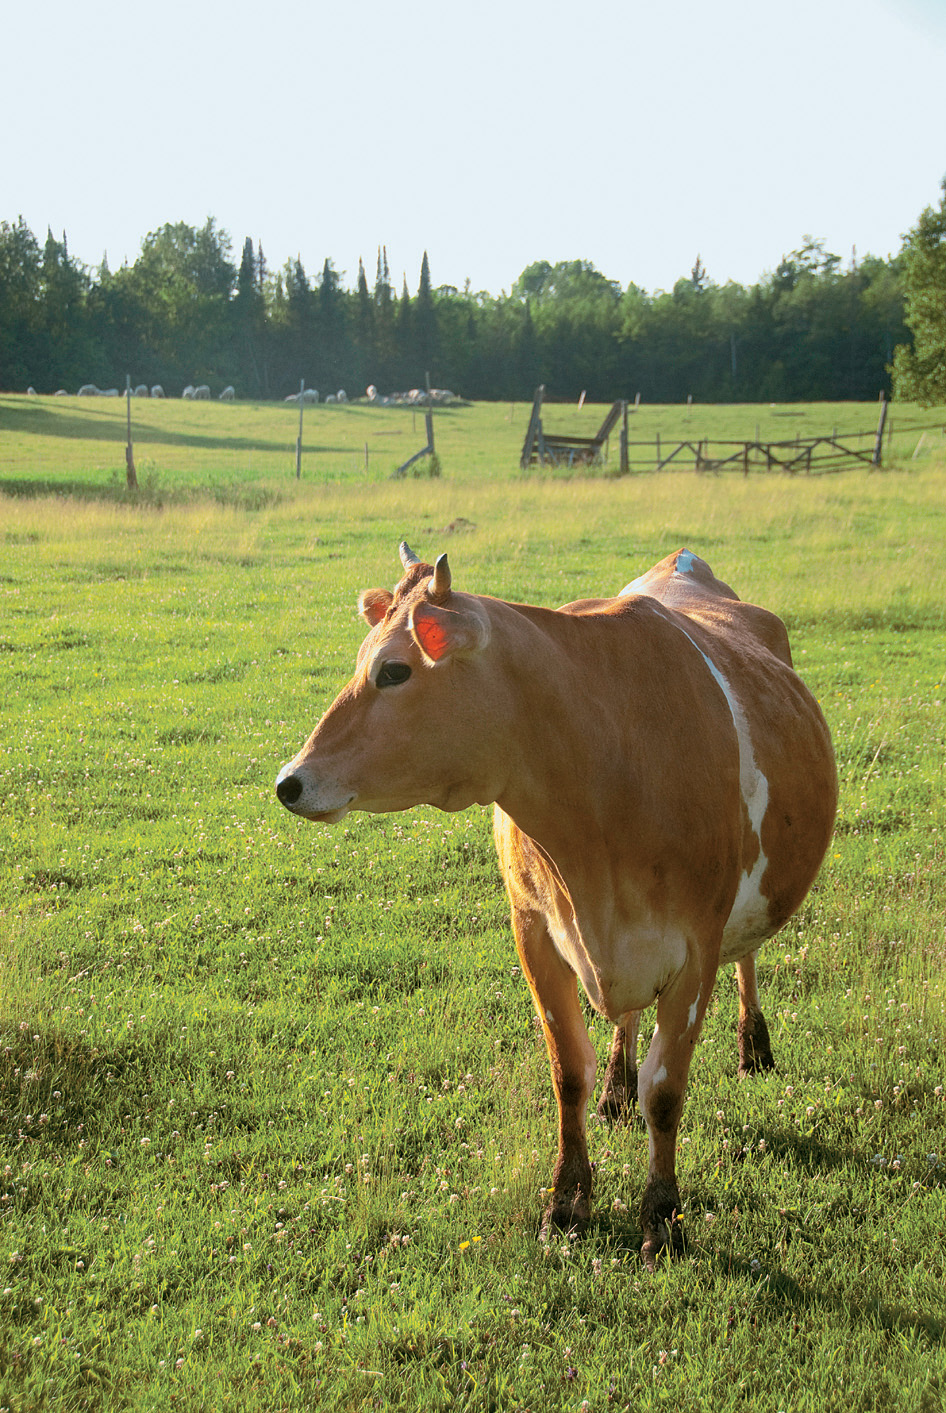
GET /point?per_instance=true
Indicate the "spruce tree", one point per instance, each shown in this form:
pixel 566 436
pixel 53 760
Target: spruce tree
pixel 425 322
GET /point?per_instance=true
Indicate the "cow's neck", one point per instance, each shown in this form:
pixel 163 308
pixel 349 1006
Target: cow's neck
pixel 560 787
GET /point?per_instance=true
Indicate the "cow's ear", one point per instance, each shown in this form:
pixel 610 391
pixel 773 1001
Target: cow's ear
pixel 373 604
pixel 445 632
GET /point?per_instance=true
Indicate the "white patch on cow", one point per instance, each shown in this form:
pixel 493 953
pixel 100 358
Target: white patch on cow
pixel 749 918
pixel 691 1018
pixel 685 562
pixel 659 1077
pixel 549 1017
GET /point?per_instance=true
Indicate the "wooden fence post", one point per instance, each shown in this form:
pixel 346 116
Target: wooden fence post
pixel 131 476
pixel 535 423
pixel 429 419
pixel 877 458
pixel 299 437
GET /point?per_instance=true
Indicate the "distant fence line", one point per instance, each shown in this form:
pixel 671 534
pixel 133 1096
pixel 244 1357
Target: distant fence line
pixel 800 454
pixel 815 455
pixel 809 455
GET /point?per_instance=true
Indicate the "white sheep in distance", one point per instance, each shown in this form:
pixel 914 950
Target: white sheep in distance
pixel 202 393
pixel 227 395
pixel 157 390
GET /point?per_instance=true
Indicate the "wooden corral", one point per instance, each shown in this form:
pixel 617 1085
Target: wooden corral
pixel 558 449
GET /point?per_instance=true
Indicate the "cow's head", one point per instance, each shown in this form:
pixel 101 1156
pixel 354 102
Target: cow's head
pixel 417 722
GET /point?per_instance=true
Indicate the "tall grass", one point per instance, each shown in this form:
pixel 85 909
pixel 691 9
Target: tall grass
pixel 276 1116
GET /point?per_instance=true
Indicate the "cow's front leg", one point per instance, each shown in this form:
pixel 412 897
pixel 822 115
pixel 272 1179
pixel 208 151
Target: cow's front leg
pixel 554 988
pixel 661 1086
pixel 755 1049
pixel 620 1078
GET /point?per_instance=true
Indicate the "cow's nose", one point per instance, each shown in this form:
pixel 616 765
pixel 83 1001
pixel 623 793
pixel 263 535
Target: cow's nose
pixel 288 790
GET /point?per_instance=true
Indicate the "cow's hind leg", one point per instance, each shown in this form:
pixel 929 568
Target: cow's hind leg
pixel 755 1049
pixel 663 1078
pixel 620 1078
pixel 554 988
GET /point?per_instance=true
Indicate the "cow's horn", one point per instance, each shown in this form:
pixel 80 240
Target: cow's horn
pixel 408 557
pixel 440 583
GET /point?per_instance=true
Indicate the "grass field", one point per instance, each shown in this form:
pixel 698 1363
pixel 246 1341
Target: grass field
pixel 276 1117
pixel 76 444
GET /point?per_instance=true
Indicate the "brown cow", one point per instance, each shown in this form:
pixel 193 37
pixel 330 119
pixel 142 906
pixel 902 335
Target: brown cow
pixel 664 789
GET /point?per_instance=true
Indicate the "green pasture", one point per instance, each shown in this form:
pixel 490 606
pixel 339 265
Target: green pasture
pixel 76 444
pixel 275 1117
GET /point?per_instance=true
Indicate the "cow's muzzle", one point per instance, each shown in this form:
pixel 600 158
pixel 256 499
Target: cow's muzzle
pixel 326 806
pixel 288 789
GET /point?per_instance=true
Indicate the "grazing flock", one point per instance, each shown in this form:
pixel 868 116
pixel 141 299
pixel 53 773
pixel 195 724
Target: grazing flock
pixel 417 397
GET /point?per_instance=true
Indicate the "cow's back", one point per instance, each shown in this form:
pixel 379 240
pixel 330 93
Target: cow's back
pixel 686 583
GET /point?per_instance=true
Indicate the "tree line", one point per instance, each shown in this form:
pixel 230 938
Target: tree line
pixel 187 312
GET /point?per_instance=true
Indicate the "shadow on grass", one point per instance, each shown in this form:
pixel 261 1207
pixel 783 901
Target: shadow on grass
pixel 775 1296
pixel 238 495
pixel 96 425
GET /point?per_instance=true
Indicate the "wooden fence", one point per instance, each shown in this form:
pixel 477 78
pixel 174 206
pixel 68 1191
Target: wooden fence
pixel 806 455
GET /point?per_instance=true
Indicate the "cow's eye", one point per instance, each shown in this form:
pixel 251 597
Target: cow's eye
pixel 392 673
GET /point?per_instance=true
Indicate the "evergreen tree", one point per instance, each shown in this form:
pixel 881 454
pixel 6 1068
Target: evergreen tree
pixel 363 322
pixel 406 356
pixel 384 337
pixel 425 337
pixel 331 328
pixel 249 319
pixel 298 316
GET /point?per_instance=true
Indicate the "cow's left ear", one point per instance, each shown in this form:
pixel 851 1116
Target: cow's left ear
pixel 373 604
pixel 447 632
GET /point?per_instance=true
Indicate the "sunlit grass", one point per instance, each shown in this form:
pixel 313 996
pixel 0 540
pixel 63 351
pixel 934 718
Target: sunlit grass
pixel 276 1115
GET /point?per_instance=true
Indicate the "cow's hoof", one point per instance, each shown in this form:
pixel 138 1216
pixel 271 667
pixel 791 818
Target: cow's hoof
pixel 566 1218
pixel 665 1239
pixel 616 1105
pixel 756 1064
pixel 755 1048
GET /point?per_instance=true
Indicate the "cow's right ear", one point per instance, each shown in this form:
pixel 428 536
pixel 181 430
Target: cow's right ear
pixel 444 632
pixel 373 604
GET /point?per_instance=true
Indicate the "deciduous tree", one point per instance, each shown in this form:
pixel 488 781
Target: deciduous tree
pixel 920 372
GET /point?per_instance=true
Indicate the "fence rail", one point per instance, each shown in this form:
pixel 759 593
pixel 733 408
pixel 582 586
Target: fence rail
pixel 801 454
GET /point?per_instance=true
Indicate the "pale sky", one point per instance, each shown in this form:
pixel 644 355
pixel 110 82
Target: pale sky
pixel 492 134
